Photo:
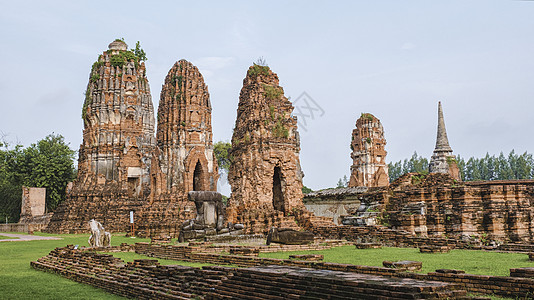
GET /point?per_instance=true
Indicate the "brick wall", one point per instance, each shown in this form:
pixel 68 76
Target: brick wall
pixel 146 279
pixel 499 285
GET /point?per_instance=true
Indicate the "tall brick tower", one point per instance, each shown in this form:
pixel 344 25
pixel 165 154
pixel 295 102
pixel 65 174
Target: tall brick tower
pixel 118 141
pixel 369 167
pixel 184 136
pixel 265 174
pixel 184 159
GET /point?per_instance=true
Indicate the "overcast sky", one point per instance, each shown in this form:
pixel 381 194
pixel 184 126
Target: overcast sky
pixel 394 59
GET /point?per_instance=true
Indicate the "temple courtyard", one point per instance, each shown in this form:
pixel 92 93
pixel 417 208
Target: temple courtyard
pixel 341 261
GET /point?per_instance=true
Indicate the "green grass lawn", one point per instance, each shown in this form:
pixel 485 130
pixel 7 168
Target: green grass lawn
pixel 3 237
pixel 471 261
pixel 19 281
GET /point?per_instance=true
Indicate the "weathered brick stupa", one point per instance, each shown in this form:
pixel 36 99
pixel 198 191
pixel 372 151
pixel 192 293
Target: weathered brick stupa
pixel 184 133
pixel 185 160
pixel 265 174
pixel 118 141
pixel 442 160
pixel 369 166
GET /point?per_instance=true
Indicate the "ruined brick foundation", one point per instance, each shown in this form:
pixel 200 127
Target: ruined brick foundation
pixel 146 279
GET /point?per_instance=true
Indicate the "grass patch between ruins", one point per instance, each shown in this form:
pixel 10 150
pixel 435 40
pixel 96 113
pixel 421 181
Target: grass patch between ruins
pixel 19 281
pixel 471 261
pixel 3 237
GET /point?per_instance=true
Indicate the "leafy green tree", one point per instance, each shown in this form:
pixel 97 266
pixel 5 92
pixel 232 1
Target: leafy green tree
pixel 47 163
pixel 222 154
pixel 343 182
pixel 10 182
pixel 395 170
pixel 306 190
pixel 416 164
pixel 489 167
pixel 139 52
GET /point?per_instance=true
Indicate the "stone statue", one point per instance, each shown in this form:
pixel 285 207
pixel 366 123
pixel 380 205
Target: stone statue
pixel 99 237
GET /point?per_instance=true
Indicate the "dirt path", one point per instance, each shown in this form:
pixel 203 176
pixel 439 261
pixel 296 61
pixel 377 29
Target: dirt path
pixel 25 237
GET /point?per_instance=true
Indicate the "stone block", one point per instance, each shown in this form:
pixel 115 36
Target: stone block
pixel 289 236
pixel 406 265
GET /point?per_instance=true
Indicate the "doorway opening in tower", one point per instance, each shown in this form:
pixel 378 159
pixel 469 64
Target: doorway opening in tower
pixel 278 197
pixel 198 176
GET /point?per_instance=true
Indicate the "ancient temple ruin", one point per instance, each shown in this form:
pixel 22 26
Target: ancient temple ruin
pixel 443 161
pixel 184 136
pixel 434 205
pixel 265 174
pixel 122 166
pixel 118 142
pixel 184 159
pixel 369 167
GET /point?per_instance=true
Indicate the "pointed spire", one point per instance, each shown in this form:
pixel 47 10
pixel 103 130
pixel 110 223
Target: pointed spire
pixel 442 142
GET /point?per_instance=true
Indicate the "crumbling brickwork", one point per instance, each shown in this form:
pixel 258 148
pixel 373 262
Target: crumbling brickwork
pixel 438 206
pixel 33 206
pixel 487 210
pixel 184 135
pixel 369 167
pixel 280 279
pixel 118 141
pixel 122 166
pixel 184 160
pixel 265 174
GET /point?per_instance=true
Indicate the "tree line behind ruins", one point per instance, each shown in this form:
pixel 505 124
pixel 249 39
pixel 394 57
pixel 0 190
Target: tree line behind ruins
pixel 510 167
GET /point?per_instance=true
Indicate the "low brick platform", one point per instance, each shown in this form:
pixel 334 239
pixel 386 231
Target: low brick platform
pixel 146 279
pixel 310 257
pixel 522 272
pixel 280 283
pixel 500 285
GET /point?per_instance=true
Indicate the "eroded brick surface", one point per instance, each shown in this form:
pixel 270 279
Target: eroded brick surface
pixel 369 167
pixel 122 166
pixel 265 174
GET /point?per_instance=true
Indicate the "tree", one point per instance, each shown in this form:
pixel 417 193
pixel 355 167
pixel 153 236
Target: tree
pixel 139 52
pixel 416 164
pixel 222 154
pixel 10 182
pixel 306 190
pixel 47 163
pixel 489 167
pixel 343 182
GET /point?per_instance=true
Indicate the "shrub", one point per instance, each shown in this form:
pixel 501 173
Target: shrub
pixel 272 92
pixel 367 116
pixel 256 70
pixel 280 130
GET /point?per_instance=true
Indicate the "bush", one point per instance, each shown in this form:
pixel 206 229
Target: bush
pixel 256 70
